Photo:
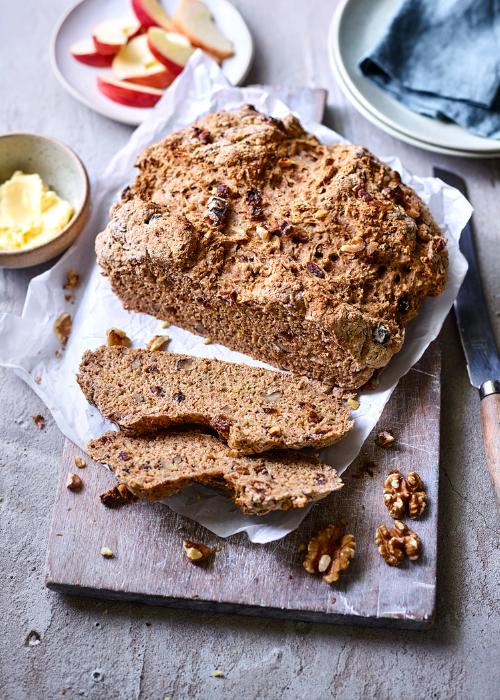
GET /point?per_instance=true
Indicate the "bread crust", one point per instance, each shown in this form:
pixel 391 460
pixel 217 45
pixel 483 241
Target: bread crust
pixel 248 229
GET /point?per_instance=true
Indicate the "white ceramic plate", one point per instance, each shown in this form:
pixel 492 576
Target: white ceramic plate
pixel 354 30
pixel 80 79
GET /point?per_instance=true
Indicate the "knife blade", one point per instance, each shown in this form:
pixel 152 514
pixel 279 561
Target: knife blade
pixel 478 342
pixel 474 326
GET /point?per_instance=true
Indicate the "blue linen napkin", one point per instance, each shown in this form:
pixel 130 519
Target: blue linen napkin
pixel 441 58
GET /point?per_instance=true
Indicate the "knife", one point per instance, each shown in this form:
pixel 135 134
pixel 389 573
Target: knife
pixel 478 342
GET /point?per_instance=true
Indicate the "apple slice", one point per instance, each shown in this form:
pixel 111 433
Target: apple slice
pixel 170 48
pixel 85 52
pixel 111 35
pixel 135 63
pixel 151 14
pixel 193 18
pixel 128 93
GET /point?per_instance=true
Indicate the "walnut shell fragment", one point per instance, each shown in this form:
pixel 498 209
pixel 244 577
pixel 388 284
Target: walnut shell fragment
pixel 329 553
pixel 396 543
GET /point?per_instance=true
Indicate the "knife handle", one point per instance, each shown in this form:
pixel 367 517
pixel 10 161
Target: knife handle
pixel 490 423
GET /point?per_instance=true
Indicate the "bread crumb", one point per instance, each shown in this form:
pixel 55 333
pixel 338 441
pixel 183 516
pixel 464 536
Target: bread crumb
pixel 62 327
pixel 72 280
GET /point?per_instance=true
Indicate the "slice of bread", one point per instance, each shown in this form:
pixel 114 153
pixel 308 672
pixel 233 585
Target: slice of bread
pixel 154 467
pixel 253 409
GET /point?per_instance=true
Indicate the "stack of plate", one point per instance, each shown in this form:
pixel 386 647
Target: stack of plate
pixel 354 30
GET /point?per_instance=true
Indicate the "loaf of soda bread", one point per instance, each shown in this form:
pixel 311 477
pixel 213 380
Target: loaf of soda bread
pixel 253 409
pixel 154 467
pixel 247 229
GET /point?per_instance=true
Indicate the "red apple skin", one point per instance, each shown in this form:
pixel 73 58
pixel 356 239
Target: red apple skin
pixel 106 49
pixel 175 68
pixel 95 59
pixel 130 98
pixel 145 18
pixel 159 80
pixel 112 49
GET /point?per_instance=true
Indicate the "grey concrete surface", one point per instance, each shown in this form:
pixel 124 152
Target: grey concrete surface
pixel 109 651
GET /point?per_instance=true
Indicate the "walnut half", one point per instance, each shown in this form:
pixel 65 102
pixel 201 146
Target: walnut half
pixel 401 493
pixel 329 553
pixel 398 542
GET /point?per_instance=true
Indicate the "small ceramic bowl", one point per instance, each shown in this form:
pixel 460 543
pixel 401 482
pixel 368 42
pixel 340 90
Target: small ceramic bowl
pixel 63 172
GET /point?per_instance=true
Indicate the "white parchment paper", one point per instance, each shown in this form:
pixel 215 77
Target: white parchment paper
pixel 28 343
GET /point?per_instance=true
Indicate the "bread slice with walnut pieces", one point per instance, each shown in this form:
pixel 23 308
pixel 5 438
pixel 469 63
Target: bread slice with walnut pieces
pixel 154 467
pixel 246 228
pixel 253 409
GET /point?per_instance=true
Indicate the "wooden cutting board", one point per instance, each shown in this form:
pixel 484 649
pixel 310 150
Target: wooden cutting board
pixel 268 580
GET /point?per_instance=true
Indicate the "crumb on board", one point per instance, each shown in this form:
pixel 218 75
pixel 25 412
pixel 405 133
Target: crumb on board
pixel 39 421
pixel 72 280
pixel 73 482
pixel 196 551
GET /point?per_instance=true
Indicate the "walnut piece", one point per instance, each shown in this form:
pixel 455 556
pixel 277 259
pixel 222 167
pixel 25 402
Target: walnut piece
pixel 74 483
pixel 117 337
pixel 418 497
pixel 157 342
pixel 355 246
pixel 401 493
pixel 384 439
pixel 397 542
pixel 395 494
pixel 80 462
pixel 72 280
pixel 195 551
pixel 329 553
pixel 117 496
pixel 107 553
pixel 62 327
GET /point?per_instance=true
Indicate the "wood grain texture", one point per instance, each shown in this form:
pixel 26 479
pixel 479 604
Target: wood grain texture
pixel 149 564
pixel 490 423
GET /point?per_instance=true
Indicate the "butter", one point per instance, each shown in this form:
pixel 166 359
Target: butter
pixel 30 213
